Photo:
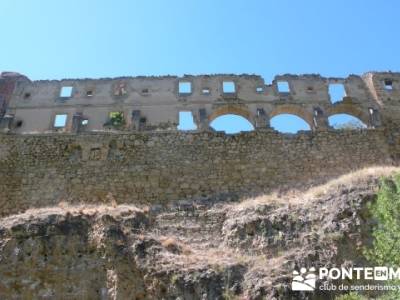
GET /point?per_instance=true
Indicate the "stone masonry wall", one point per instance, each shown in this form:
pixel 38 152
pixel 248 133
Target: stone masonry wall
pixel 158 167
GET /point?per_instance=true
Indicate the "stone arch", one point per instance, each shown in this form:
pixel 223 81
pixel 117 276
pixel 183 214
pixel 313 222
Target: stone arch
pixel 293 110
pixel 231 109
pixel 349 109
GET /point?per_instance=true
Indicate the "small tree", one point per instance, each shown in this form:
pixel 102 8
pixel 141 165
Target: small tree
pixel 385 250
pixel 386 233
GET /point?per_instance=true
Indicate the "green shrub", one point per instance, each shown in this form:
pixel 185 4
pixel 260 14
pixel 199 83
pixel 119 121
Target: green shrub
pixel 351 296
pixel 386 233
pixel 116 119
pixel 385 250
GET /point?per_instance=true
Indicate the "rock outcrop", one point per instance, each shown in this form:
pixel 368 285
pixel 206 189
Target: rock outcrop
pixel 201 249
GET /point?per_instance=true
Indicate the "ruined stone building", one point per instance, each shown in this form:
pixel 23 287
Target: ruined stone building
pixel 153 103
pixel 83 139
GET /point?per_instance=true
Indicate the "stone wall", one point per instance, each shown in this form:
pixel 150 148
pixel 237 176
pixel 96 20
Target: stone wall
pixel 158 167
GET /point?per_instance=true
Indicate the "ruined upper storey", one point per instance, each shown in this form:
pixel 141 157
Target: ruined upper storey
pixel 152 103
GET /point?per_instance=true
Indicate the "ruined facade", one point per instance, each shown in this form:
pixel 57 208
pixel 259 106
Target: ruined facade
pixel 154 103
pixel 92 140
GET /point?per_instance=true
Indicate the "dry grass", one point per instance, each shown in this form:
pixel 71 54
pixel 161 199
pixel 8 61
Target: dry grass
pixel 175 246
pixel 296 197
pixel 64 208
pixel 221 258
pixel 63 204
pixel 350 179
pixel 168 242
pixel 198 259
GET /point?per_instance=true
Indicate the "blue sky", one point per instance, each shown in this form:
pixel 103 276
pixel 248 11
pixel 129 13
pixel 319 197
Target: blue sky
pixel 96 38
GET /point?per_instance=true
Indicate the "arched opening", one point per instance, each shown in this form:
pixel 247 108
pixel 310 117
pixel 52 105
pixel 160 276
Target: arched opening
pixel 344 111
pixel 186 121
pixel 231 123
pixel 345 121
pixel 291 118
pixel 288 123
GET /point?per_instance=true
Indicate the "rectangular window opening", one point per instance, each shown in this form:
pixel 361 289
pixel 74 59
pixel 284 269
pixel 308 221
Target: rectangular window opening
pixel 60 120
pixel 228 87
pixel 89 93
pixel 336 92
pixel 186 121
pixel 388 84
pixel 145 91
pixel 283 87
pixel 84 122
pixel 259 89
pixel 185 87
pixel 66 92
pixel 120 89
pixel 205 91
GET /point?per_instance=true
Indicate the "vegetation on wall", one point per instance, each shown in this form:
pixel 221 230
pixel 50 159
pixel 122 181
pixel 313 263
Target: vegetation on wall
pixel 385 249
pixel 386 233
pixel 116 119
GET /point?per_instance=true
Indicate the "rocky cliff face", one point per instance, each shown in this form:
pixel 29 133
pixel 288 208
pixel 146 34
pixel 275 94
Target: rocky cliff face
pixel 201 249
